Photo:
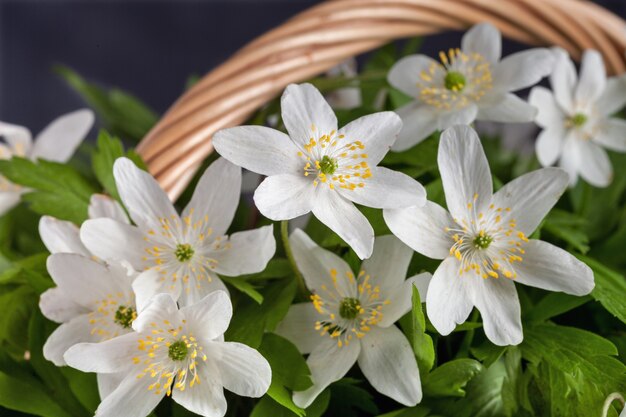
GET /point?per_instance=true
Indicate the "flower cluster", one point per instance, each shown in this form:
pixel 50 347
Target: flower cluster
pixel 138 292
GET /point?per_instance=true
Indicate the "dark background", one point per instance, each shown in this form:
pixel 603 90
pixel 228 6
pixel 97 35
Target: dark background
pixel 148 48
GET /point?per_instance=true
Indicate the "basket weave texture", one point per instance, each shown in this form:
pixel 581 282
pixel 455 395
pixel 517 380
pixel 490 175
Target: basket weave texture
pixel 325 35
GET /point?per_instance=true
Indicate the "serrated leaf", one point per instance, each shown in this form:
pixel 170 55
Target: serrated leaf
pixel 449 379
pixel 422 342
pixel 610 288
pixel 554 304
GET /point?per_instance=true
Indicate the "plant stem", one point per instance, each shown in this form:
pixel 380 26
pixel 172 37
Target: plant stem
pixel 466 343
pixel 284 232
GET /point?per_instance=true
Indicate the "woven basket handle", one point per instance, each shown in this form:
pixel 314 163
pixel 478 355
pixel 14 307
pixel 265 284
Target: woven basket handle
pixel 325 35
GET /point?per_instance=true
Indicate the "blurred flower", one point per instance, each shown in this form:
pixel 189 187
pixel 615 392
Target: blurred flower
pixel 180 255
pixel 483 241
pixel 93 302
pixel 352 318
pixel 61 236
pixel 469 84
pixel 175 352
pixel 576 118
pixel 321 169
pixel 348 97
pixel 57 143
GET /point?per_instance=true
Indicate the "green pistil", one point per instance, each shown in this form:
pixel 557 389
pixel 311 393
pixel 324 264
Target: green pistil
pixel 482 241
pixel 328 165
pixel 178 351
pixel 124 316
pixel 184 252
pixel 578 119
pixel 455 81
pixel 349 308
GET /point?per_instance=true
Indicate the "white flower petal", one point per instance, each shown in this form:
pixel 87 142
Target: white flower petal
pixel 285 196
pixel 55 305
pixel 209 317
pixel 563 79
pixel 376 131
pixel 388 264
pixel 150 283
pixel 316 265
pixel 111 356
pixel 61 236
pixel 613 97
pixel 298 327
pixel 246 252
pixel 144 199
pixel 65 336
pixel 58 141
pixel 448 301
pixel 328 363
pixel 243 370
pixel 160 308
pixel 405 74
pixel 422 228
pixel 130 399
pixel 401 301
pixel 612 135
pixel 8 200
pixel 464 116
pixel 17 137
pixel 554 269
pixel 216 197
pixel 595 165
pixel 523 69
pixel 549 113
pixel 509 109
pixel 549 145
pixel 306 113
pixel 107 383
pixel 530 197
pixel 84 280
pixel 111 240
pixel 206 398
pixel 347 221
pixel 464 171
pixel 387 189
pixel 499 307
pixel 418 122
pixel 571 158
pixel 259 149
pixel 192 293
pixel 388 362
pixel 484 39
pixel 101 205
pixel 592 78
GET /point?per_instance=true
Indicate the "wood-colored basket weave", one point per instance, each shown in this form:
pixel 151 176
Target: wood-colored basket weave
pixel 330 32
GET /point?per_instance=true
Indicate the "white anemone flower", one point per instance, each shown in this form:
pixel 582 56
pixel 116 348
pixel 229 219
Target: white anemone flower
pixel 181 255
pixel 60 236
pixel 483 241
pixel 319 169
pixel 57 143
pixel 351 318
pixel 576 118
pixel 93 302
pixel 470 83
pixel 175 352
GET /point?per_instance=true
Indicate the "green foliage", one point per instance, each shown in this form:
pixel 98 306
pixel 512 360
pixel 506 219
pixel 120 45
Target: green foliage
pixel 349 400
pixel 421 341
pixel 122 113
pixel 449 379
pixel 54 189
pixel 610 288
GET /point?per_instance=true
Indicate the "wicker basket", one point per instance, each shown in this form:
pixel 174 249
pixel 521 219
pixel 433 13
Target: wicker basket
pixel 330 32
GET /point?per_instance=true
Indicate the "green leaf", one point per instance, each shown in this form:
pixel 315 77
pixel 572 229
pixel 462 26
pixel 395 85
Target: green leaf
pixel 122 113
pixel 17 305
pixel 610 288
pixel 288 366
pixel 18 395
pixel 108 150
pixel 418 411
pixel 244 287
pixel 57 189
pixel 349 400
pixel 421 341
pixel 268 407
pixel 449 379
pixel 567 227
pixel 554 304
